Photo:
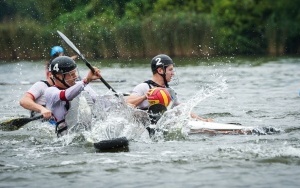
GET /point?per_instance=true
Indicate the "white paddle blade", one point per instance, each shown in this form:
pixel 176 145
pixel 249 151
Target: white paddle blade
pixel 70 43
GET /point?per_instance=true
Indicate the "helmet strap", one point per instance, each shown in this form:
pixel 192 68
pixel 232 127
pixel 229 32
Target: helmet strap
pixel 52 80
pixel 62 80
pixel 164 77
pixel 165 80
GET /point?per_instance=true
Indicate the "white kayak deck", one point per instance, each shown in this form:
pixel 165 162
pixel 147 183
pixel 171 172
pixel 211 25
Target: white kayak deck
pixel 197 125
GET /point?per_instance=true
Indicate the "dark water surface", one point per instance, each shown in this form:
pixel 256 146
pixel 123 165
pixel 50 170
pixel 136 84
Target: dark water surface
pixel 254 92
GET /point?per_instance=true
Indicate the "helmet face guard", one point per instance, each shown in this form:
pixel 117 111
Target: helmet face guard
pixel 70 77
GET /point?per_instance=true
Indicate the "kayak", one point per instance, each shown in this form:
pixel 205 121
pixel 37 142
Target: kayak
pixel 194 125
pixel 201 127
pixel 197 126
pixel 204 127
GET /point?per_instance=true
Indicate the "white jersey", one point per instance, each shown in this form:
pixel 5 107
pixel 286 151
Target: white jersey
pixel 143 88
pixel 58 100
pixel 37 90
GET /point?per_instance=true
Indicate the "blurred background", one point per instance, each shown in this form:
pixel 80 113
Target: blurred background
pixel 143 28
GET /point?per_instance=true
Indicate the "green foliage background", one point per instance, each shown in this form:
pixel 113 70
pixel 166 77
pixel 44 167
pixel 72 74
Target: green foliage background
pixel 144 28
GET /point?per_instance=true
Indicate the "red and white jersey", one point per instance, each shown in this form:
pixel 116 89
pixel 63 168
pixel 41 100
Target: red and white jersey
pixel 37 90
pixel 58 100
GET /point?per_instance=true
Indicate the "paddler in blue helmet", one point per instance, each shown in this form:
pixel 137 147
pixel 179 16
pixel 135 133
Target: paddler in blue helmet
pixel 57 51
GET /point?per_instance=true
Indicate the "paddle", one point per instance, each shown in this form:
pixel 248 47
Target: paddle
pixel 70 43
pixel 15 124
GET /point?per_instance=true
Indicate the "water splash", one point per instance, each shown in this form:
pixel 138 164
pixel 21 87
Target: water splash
pixel 174 123
pixel 113 118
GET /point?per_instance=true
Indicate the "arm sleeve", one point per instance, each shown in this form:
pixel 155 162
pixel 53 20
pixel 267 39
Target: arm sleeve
pixel 140 89
pixel 36 90
pixel 53 94
pixel 72 92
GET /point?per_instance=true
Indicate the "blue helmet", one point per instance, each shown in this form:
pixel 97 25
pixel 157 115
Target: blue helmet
pixel 55 50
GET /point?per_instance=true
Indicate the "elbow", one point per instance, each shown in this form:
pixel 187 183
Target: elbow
pixel 22 102
pixel 26 100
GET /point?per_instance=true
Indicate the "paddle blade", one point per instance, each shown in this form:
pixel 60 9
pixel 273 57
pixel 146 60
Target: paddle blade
pixel 14 124
pixel 113 145
pixel 70 43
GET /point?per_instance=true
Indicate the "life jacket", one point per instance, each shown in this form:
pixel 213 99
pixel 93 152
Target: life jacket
pixel 46 82
pixel 171 91
pixel 64 127
pixel 153 113
pixel 150 82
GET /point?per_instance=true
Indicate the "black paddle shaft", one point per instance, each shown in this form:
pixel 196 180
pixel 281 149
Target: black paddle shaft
pixel 70 43
pixel 93 70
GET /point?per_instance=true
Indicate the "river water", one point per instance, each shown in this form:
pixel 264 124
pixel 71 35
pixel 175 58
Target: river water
pixel 256 92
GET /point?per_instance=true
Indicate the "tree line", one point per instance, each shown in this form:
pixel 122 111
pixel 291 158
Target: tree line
pixel 144 28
